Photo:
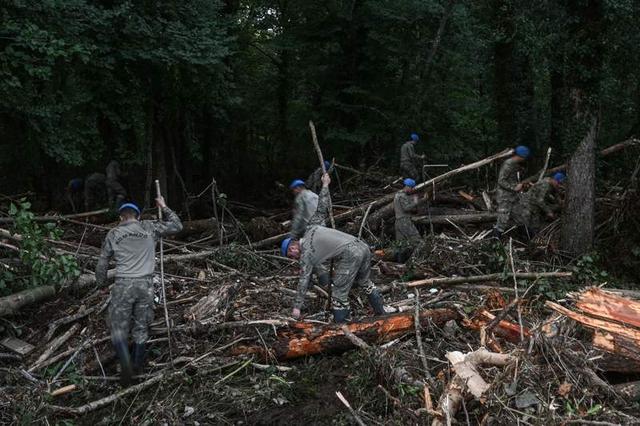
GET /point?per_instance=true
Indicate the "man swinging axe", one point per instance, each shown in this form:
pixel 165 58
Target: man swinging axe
pixel 351 257
pixel 132 244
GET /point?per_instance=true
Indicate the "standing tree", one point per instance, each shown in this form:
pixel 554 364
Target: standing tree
pixel 584 56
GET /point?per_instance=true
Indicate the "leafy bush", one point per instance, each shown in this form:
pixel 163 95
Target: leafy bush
pixel 40 264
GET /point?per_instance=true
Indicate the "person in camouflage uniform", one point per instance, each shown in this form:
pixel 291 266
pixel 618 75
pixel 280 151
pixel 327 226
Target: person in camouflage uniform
pixel 132 244
pixel 539 204
pixel 314 182
pixel 352 261
pixel 508 188
pixel 94 191
pixel 404 204
pixel 116 193
pixel 407 234
pixel 410 162
pixel 305 206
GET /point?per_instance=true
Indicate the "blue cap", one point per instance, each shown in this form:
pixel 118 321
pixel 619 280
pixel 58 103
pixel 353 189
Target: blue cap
pixel 327 165
pixel 284 247
pixel 129 206
pixel 522 151
pixel 75 184
pixel 296 183
pixel 409 182
pixel 559 177
pixel 415 137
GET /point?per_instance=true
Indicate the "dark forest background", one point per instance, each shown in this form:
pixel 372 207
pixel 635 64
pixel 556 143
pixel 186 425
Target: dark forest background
pixel 192 89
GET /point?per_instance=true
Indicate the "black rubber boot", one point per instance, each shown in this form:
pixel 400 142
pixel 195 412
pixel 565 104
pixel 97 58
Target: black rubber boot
pixel 138 358
pixel 375 300
pixel 126 371
pixel 340 315
pixel 324 280
pixel 496 233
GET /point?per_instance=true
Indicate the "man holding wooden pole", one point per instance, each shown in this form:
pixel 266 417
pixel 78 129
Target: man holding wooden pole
pixel 132 244
pixel 352 261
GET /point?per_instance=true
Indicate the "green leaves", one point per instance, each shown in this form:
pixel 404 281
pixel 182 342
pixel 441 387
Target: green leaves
pixel 41 265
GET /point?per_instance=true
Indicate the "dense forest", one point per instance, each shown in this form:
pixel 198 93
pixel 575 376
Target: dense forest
pixel 499 286
pixel 190 90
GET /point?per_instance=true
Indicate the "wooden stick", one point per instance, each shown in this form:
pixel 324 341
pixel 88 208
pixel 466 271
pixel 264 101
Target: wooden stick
pixel 316 145
pixel 63 390
pixel 59 341
pixel 55 218
pixel 164 293
pixel 546 165
pixel 351 410
pixel 416 319
pixel 489 277
pixel 364 221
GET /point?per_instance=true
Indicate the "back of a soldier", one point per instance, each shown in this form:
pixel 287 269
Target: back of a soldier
pixel 133 245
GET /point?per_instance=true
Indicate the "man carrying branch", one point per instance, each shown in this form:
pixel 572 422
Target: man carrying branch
pixel 133 246
pixel 352 261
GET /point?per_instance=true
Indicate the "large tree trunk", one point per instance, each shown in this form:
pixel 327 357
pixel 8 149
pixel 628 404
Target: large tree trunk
pixel 579 209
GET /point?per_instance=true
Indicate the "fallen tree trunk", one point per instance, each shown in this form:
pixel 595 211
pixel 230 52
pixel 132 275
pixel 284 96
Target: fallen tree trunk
pixel 217 305
pixel 10 305
pixel 305 339
pixel 483 278
pixel 458 219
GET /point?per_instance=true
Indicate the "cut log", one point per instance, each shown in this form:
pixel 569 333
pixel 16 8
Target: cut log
pixel 603 304
pixel 630 390
pixel 484 278
pixel 305 339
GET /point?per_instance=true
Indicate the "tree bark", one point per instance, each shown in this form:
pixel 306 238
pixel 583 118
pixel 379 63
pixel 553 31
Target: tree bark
pixel 578 216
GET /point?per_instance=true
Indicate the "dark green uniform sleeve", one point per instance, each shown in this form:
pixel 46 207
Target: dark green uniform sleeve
pixel 543 199
pixel 297 224
pixel 171 224
pixel 103 261
pixel 322 212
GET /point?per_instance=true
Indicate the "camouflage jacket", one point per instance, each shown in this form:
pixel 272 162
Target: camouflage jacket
pixel 408 153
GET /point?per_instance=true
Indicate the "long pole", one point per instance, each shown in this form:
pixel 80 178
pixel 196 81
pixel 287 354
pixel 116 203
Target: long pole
pixel 316 145
pixel 164 293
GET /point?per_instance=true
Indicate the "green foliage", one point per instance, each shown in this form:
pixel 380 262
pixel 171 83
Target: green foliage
pixel 40 264
pixel 588 270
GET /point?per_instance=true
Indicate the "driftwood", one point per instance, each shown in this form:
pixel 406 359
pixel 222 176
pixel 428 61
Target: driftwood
pixel 305 339
pixel 467 381
pixel 484 278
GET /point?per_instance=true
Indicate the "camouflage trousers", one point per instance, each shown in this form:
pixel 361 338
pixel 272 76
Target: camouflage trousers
pixel 352 267
pixel 506 201
pixel 410 170
pixel 406 230
pixel 131 298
